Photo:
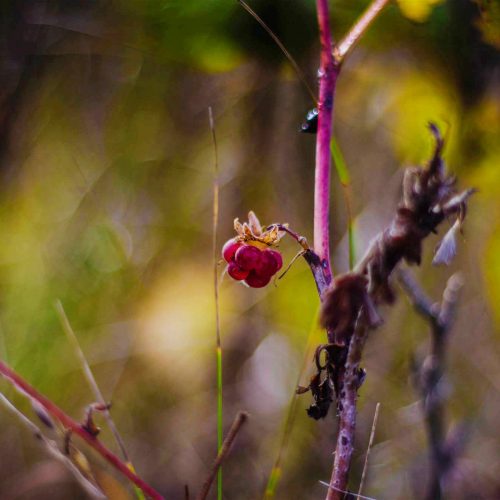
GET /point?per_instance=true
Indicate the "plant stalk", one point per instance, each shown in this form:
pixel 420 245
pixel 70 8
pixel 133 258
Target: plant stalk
pixel 327 75
pixel 53 410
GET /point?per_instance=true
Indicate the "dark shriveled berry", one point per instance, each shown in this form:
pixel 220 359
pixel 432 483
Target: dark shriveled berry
pixel 236 272
pixel 247 257
pixel 229 249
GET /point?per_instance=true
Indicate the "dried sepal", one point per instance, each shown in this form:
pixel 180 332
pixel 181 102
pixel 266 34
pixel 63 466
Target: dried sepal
pixel 254 223
pixel 252 231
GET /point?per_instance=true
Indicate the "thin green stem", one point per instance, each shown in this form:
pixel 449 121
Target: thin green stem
pixel 345 181
pixel 276 470
pixel 215 224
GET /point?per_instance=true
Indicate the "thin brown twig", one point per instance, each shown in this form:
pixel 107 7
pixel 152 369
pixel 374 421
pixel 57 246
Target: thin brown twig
pixel 356 32
pixel 370 444
pixel 52 449
pixel 215 223
pixel 68 423
pixel 287 54
pixel 418 298
pixel 89 376
pixel 345 492
pixel 238 422
pixel 428 378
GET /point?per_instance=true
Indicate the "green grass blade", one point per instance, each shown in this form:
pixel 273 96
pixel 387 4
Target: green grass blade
pixel 215 251
pixel 313 338
pixel 345 180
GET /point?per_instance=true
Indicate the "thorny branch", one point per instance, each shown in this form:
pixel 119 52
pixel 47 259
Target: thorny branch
pixel 428 379
pixel 350 303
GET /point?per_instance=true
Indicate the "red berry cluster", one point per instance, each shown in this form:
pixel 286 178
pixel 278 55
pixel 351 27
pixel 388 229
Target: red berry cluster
pixel 250 263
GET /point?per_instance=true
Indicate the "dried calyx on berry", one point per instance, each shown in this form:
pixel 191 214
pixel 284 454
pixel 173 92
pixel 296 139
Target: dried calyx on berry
pixel 252 256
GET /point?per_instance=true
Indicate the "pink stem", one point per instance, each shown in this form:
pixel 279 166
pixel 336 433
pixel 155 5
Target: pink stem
pixel 78 429
pixel 327 74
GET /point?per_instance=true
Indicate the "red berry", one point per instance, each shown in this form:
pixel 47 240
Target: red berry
pixel 236 272
pixel 268 264
pixel 256 280
pixel 278 259
pixel 247 257
pixel 229 249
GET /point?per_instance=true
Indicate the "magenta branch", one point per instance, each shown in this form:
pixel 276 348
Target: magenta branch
pixel 327 75
pixel 78 429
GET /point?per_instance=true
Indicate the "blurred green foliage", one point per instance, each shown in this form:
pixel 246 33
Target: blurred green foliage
pixel 106 164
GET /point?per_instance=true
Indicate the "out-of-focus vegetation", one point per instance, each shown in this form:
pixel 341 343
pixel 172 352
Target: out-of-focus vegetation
pixel 106 166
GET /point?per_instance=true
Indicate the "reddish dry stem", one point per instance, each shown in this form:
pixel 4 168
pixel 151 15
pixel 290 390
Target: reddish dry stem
pixel 362 24
pixel 77 429
pixel 327 75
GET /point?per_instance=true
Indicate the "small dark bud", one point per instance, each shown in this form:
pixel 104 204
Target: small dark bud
pixel 42 414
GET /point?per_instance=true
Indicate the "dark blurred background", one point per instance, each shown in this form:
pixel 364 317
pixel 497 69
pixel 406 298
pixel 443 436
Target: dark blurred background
pixel 106 167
